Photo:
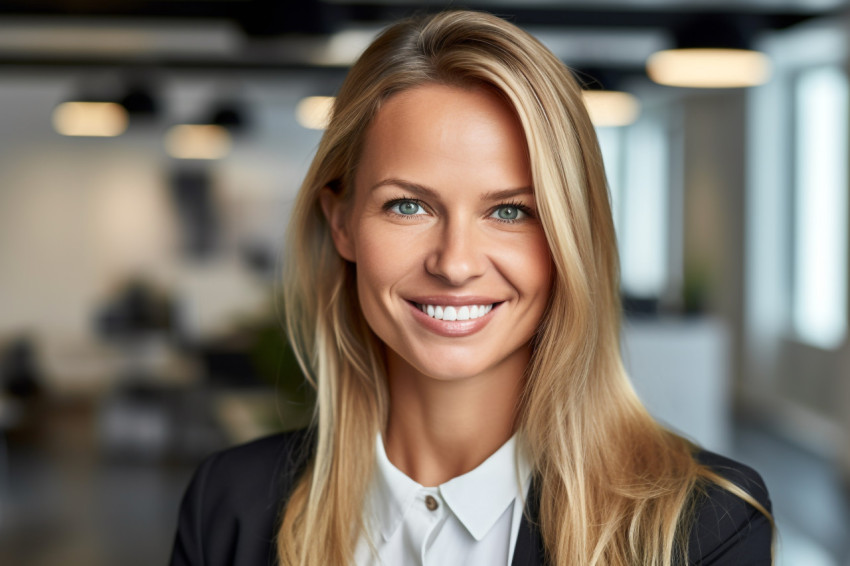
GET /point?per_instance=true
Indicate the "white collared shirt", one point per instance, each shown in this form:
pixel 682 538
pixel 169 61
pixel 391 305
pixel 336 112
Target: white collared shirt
pixel 472 519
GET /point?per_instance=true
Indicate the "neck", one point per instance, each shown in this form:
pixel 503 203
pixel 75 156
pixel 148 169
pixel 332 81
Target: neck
pixel 439 429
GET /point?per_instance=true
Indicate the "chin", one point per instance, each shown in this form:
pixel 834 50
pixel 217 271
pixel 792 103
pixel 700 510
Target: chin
pixel 450 366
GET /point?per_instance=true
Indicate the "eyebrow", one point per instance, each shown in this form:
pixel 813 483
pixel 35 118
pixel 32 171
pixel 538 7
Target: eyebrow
pixel 422 190
pixel 508 193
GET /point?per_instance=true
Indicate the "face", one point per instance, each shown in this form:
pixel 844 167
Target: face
pixel 453 269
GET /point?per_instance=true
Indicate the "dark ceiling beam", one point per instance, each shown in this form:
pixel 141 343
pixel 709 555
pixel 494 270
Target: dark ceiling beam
pixel 274 17
pixel 278 18
pixel 11 63
pixel 599 18
pixel 256 17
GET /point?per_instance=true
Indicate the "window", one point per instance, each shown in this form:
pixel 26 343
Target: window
pixel 820 207
pixel 610 143
pixel 636 163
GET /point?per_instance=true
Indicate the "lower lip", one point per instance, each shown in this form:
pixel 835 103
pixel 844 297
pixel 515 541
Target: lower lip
pixel 452 328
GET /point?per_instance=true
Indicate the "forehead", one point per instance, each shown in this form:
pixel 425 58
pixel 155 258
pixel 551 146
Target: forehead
pixel 442 135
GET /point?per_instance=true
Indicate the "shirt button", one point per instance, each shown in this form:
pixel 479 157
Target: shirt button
pixel 431 503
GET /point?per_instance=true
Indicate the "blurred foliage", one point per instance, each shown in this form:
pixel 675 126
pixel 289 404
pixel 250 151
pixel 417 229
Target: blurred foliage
pixel 275 363
pixel 697 287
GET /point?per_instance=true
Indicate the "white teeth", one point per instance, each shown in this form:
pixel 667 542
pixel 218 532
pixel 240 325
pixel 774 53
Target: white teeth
pixel 465 312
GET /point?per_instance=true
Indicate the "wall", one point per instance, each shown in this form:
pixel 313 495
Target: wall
pixel 78 216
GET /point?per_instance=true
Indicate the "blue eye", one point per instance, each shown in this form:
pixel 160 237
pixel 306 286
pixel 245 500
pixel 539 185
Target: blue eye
pixel 407 208
pixel 508 212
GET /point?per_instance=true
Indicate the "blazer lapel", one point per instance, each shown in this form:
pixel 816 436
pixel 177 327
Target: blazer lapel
pixel 529 544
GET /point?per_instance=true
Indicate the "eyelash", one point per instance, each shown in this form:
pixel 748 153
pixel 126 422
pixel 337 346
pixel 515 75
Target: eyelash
pixel 510 204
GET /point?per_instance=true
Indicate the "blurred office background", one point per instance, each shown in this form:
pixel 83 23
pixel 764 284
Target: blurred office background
pixel 150 152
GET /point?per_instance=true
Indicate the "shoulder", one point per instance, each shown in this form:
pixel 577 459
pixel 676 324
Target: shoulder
pixel 728 529
pixel 736 472
pixel 268 459
pixel 250 477
pixel 231 505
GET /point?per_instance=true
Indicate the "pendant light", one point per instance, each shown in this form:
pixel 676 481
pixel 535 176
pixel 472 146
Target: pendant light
pixel 207 139
pixel 607 106
pixel 90 118
pixel 712 51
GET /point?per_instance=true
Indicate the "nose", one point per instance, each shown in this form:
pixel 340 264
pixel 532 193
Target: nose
pixel 457 254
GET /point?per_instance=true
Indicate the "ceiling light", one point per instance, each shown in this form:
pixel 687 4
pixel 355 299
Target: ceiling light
pixel 95 119
pixel 314 112
pixel 709 67
pixel 197 141
pixel 610 108
pixel 344 47
pixel 712 51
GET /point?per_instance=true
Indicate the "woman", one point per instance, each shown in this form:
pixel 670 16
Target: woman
pixel 452 293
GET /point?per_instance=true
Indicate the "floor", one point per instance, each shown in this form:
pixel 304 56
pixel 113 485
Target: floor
pixel 65 503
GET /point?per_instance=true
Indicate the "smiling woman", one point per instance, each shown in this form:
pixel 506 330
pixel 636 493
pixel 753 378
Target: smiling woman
pixel 452 293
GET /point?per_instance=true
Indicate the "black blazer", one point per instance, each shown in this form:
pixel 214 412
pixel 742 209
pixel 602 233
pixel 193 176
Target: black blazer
pixel 229 513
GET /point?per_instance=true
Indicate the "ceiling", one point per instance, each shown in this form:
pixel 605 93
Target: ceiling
pixel 325 34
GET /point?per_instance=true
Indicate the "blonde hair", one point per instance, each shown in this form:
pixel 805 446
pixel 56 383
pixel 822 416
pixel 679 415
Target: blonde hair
pixel 614 487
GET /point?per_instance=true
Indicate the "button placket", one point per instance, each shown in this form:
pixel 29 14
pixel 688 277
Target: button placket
pixel 431 511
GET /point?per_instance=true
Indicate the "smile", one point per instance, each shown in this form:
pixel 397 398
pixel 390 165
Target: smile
pixel 451 312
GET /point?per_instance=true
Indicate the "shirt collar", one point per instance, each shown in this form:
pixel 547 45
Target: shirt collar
pixel 392 493
pixel 477 498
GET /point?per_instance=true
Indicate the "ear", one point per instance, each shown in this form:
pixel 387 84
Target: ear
pixel 335 213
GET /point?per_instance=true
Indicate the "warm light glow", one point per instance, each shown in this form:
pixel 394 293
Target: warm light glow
pixel 709 68
pixel 197 141
pixel 611 108
pixel 344 47
pixel 314 112
pixel 96 119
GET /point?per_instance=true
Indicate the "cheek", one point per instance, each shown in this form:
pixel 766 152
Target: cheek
pixel 383 256
pixel 386 258
pixel 531 266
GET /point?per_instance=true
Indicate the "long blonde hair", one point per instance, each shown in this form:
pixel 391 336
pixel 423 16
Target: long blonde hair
pixel 614 487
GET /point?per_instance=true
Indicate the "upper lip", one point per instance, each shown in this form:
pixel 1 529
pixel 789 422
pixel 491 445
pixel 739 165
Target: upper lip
pixel 450 300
